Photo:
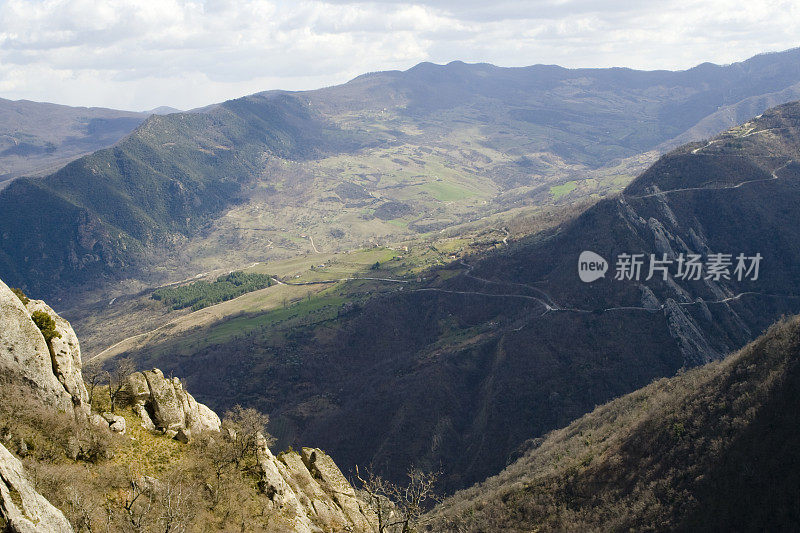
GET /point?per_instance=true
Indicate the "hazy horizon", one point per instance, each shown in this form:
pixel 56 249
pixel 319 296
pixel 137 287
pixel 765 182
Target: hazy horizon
pixel 135 55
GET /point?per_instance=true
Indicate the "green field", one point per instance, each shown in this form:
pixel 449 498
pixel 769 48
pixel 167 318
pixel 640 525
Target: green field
pixel 562 190
pixel 447 192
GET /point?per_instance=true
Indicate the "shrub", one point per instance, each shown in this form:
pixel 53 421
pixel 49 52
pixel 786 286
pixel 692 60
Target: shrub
pixel 35 430
pixel 46 324
pixel 21 295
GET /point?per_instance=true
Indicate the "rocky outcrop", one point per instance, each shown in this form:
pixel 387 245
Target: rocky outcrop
pixel 311 491
pixel 283 497
pixel 22 509
pixel 52 372
pixel 163 404
pixel 694 346
pixel 66 356
pixel 333 482
pixel 308 491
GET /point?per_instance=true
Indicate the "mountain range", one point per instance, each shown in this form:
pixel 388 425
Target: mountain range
pixel 387 156
pixel 525 279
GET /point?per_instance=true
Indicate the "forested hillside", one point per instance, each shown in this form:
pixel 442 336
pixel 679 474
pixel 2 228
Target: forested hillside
pixel 712 449
pixel 37 138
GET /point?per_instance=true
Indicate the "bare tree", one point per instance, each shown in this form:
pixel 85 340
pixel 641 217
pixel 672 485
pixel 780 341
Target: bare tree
pixel 116 379
pixel 138 504
pixel 243 427
pixel 377 489
pixel 154 505
pixel 78 510
pixel 399 507
pixel 174 500
pixel 93 376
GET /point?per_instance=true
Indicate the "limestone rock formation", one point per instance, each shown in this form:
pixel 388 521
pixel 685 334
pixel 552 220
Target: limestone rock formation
pixel 693 344
pixel 22 509
pixel 332 481
pixel 278 490
pixel 312 492
pixel 163 404
pixel 55 377
pixel 66 356
pixel 99 421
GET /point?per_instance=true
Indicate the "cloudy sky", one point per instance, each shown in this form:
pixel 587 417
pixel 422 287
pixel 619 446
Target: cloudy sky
pixel 139 54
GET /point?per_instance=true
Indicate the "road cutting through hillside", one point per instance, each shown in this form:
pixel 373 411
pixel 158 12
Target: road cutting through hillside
pixel 548 308
pixel 773 177
pixel 551 306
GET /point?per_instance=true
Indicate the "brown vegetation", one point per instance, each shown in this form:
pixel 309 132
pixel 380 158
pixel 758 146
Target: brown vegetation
pixel 398 507
pixel 139 482
pixel 711 449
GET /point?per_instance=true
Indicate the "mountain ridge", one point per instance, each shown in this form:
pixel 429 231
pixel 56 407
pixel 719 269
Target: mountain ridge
pixel 451 143
pixel 38 137
pixel 165 203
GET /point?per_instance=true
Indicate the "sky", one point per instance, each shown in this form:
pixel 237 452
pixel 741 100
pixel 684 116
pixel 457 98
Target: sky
pixel 141 54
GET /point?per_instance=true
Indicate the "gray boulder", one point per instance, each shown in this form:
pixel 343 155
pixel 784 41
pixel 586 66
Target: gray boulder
pixel 333 482
pixel 116 423
pixel 309 491
pixel 198 417
pixel 204 418
pixel 135 390
pixel 22 509
pixel 316 502
pixel 164 404
pixel 98 421
pixel 271 482
pixel 147 422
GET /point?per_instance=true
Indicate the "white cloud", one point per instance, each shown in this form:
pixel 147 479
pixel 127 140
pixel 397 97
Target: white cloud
pixel 139 54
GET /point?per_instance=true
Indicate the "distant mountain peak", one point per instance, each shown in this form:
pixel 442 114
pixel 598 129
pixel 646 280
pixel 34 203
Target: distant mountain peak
pixel 163 110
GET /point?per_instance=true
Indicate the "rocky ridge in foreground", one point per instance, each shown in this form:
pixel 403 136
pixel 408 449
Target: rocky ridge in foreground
pixel 40 358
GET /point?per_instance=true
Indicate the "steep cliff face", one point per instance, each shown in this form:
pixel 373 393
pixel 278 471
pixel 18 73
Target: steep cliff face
pixel 22 509
pixel 52 371
pixel 330 478
pixel 65 355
